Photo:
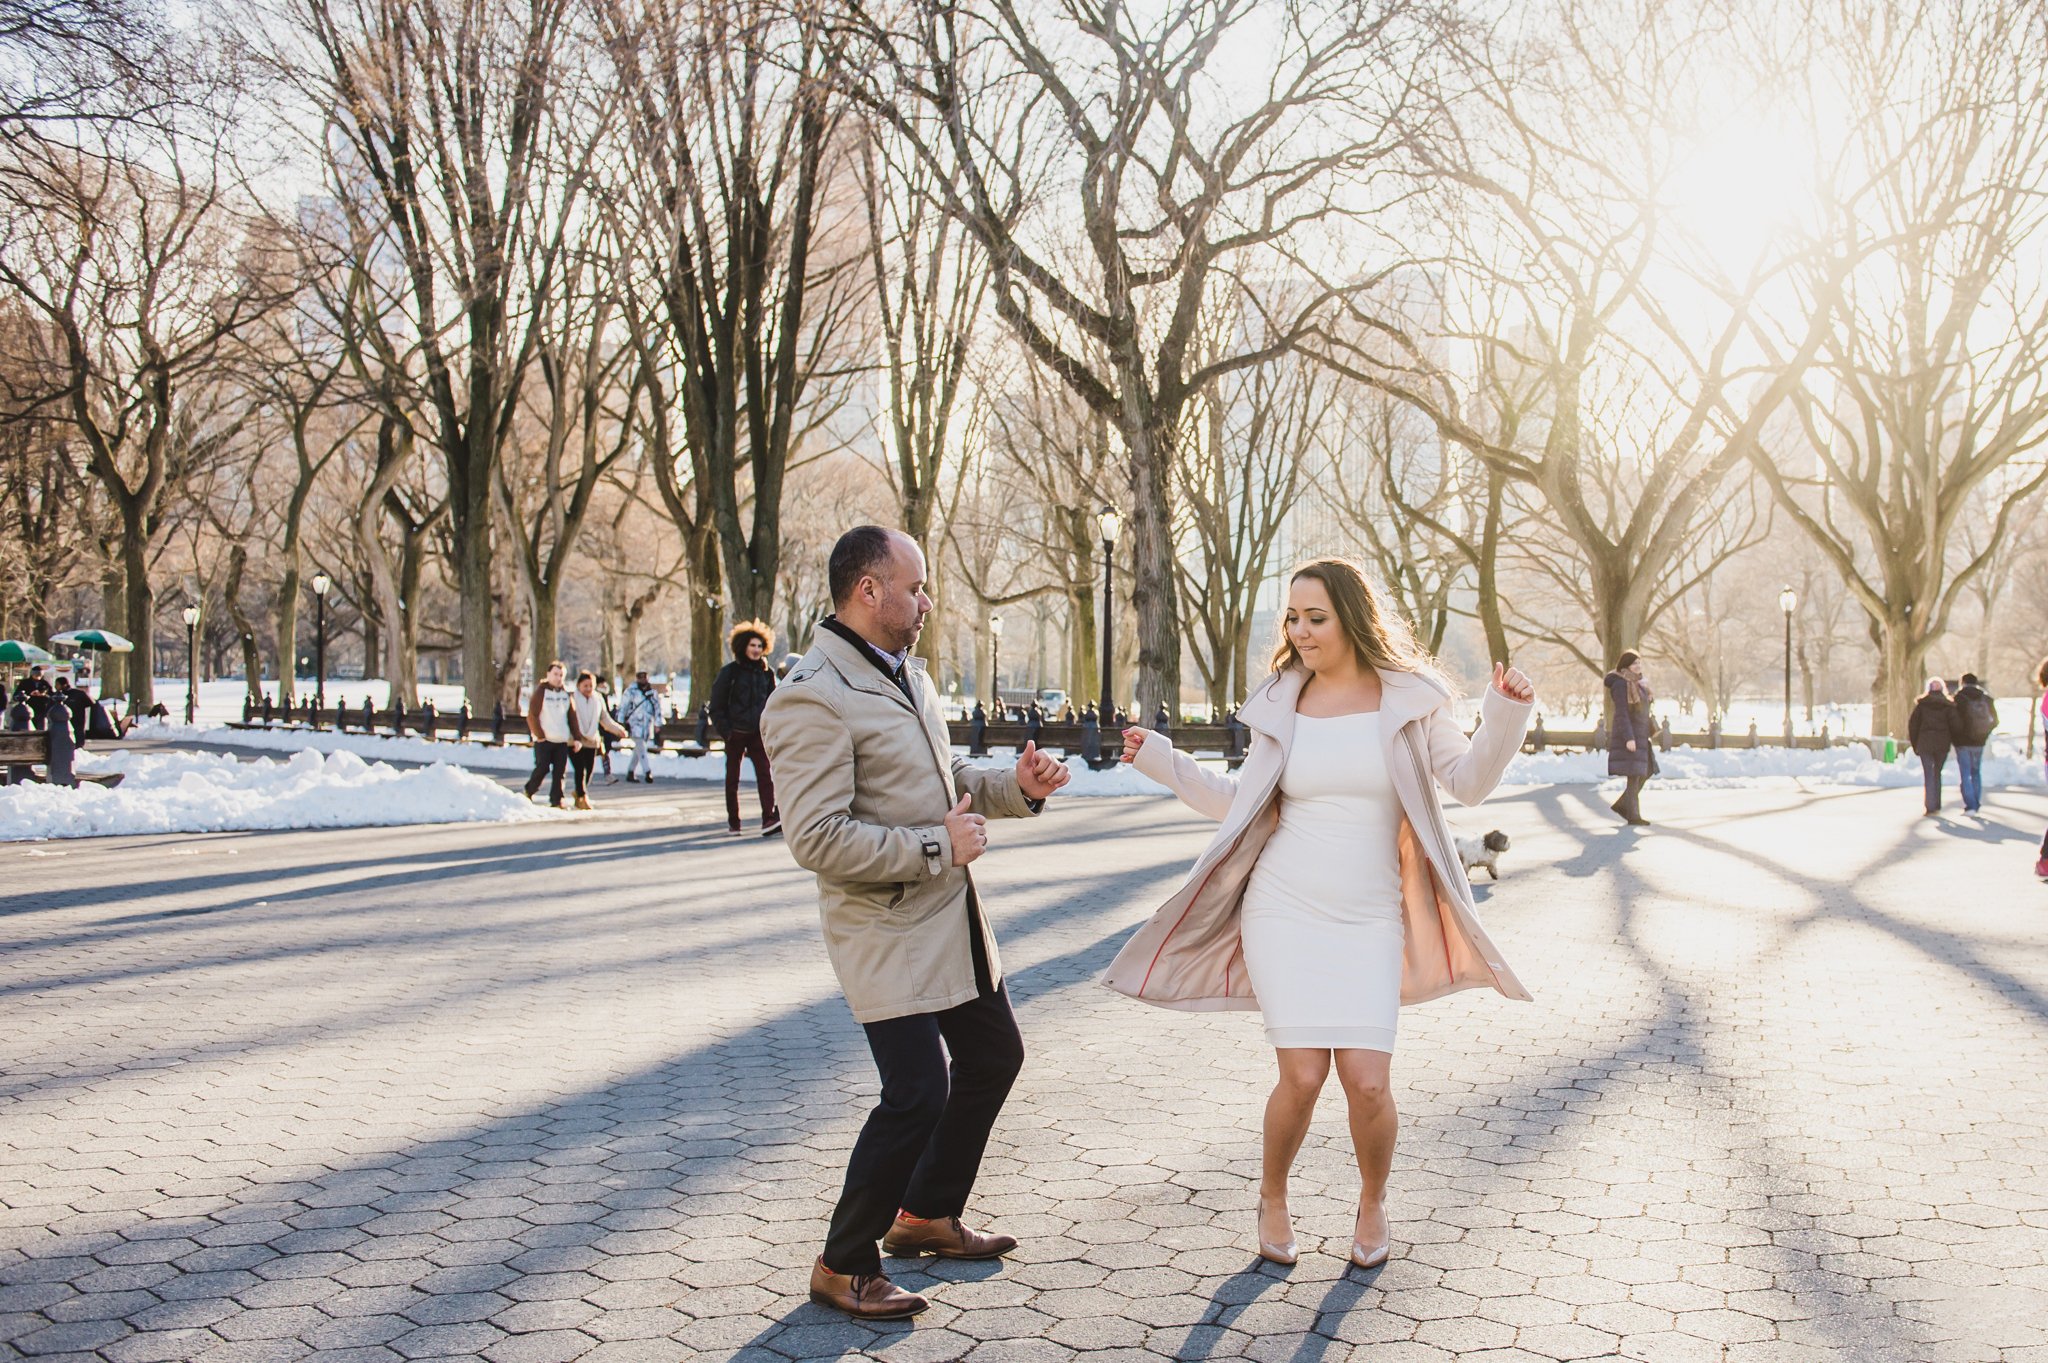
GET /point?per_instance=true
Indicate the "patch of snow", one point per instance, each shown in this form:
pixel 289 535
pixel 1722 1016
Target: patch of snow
pixel 1684 768
pixel 476 756
pixel 192 792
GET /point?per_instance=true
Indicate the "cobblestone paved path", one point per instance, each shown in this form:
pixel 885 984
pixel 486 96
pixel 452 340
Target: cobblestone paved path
pixel 584 1092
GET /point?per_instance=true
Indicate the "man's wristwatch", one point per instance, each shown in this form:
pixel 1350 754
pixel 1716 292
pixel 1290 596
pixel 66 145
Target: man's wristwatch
pixel 934 856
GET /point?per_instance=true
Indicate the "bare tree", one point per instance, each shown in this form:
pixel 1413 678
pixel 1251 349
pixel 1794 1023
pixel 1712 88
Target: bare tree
pixel 929 285
pixel 141 259
pixel 1934 376
pixel 1551 170
pixel 734 136
pixel 1117 174
pixel 452 148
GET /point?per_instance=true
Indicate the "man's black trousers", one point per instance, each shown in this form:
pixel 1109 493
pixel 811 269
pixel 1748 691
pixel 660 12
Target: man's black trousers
pixel 922 1145
pixel 549 759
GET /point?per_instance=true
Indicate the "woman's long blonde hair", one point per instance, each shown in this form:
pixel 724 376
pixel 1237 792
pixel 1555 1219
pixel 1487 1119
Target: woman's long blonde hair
pixel 1370 621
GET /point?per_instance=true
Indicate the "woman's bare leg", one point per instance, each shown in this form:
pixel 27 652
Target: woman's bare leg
pixel 1288 1112
pixel 1374 1127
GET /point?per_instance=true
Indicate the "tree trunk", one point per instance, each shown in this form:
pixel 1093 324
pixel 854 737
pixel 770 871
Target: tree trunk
pixel 288 634
pixel 1900 658
pixel 474 579
pixel 1084 650
pixel 544 601
pixel 141 611
pixel 245 629
pixel 403 648
pixel 707 644
pixel 707 651
pixel 1153 568
pixel 373 644
pixel 113 667
pixel 1489 570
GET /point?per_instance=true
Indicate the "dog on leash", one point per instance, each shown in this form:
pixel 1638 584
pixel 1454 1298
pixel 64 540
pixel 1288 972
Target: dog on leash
pixel 1484 851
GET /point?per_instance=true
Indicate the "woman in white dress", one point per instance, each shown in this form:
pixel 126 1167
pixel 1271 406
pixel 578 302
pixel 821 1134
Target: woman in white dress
pixel 1331 895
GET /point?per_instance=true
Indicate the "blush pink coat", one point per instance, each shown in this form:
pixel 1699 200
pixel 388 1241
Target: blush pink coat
pixel 1189 955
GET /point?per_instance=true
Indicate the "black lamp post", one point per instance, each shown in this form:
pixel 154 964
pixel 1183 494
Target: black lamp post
pixel 321 582
pixel 191 664
pixel 1112 526
pixel 1788 601
pixel 995 634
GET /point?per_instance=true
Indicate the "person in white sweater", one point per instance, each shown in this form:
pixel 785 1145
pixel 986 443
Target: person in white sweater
pixel 593 720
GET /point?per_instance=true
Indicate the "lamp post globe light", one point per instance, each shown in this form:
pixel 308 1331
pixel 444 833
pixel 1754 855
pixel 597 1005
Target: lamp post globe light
pixel 191 663
pixel 1788 601
pixel 1112 527
pixel 321 582
pixel 995 634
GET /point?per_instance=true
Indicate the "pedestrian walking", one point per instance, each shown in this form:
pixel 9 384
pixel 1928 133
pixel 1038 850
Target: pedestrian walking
pixel 888 820
pixel 1331 895
pixel 551 720
pixel 593 721
pixel 604 749
pixel 1931 729
pixel 739 693
pixel 640 712
pixel 1976 720
pixel 1629 752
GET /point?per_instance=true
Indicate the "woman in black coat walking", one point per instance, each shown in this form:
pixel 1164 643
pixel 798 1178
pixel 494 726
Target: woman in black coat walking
pixel 1931 729
pixel 738 695
pixel 1629 753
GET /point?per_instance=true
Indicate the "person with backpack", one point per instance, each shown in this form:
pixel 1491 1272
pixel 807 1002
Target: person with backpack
pixel 641 712
pixel 1976 720
pixel 1930 730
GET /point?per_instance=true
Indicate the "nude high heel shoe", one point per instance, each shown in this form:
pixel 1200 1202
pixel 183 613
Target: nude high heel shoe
pixel 1370 1257
pixel 1284 1253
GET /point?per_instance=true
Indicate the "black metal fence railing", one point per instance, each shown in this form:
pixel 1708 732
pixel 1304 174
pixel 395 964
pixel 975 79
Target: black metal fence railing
pixel 694 736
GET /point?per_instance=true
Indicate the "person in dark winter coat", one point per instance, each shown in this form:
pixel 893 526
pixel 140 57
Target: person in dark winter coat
pixel 1931 730
pixel 77 704
pixel 738 694
pixel 1629 752
pixel 1976 719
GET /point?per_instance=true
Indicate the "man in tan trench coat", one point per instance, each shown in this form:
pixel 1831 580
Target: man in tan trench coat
pixel 876 805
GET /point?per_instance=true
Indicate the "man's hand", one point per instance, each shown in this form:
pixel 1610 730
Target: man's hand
pixel 1513 683
pixel 1631 745
pixel 1134 739
pixel 967 832
pixel 1039 774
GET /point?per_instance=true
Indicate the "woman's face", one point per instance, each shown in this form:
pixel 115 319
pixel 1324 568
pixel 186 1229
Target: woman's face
pixel 1313 628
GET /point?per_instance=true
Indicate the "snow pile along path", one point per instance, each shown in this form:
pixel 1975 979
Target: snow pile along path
pixel 209 793
pixel 2005 766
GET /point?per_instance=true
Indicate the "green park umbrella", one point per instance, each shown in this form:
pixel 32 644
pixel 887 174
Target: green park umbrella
pixel 98 640
pixel 16 651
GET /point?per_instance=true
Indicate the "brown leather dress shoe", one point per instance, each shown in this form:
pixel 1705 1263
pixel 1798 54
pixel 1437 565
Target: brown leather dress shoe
pixel 945 1237
pixel 866 1296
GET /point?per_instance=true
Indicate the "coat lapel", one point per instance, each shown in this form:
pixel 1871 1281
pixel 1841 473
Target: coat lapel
pixel 860 673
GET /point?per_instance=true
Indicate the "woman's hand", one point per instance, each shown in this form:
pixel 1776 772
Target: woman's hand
pixel 1134 739
pixel 1513 683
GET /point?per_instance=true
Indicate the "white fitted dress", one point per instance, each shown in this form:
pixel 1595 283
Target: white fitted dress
pixel 1322 908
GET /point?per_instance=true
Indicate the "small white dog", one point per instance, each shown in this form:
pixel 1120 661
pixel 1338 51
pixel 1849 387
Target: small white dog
pixel 1484 851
